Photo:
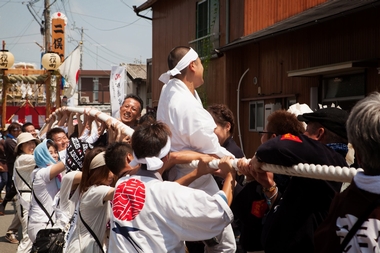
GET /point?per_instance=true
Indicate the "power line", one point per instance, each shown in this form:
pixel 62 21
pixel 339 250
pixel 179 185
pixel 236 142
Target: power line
pixel 29 5
pixel 94 60
pixel 17 39
pixel 96 17
pixel 25 35
pixel 111 57
pixel 126 4
pixel 5 3
pixel 116 55
pixel 110 29
pixel 22 43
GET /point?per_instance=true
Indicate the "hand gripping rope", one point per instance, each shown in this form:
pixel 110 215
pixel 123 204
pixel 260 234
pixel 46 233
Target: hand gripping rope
pixel 324 172
pixel 100 115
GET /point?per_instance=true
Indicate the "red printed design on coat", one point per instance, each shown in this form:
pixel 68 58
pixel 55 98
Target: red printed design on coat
pixel 291 137
pixel 259 208
pixel 129 199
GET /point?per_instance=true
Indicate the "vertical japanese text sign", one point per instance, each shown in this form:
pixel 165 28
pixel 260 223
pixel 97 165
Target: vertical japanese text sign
pixel 58 23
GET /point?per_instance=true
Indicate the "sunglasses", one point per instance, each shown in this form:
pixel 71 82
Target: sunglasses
pixel 263 132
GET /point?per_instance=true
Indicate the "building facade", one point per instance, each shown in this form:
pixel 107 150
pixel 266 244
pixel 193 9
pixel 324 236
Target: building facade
pixel 262 55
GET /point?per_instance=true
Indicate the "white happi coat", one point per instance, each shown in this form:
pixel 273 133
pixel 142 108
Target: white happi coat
pixel 151 215
pixel 192 128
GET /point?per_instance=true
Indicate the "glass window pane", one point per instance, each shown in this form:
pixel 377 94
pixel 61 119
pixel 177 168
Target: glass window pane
pixel 252 115
pixel 260 115
pixel 202 19
pixel 344 86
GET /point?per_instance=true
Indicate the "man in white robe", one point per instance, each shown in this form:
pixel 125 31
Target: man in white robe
pixel 152 215
pixel 192 126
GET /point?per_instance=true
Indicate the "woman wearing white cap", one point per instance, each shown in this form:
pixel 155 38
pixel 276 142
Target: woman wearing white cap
pixel 94 209
pixel 46 180
pixel 23 168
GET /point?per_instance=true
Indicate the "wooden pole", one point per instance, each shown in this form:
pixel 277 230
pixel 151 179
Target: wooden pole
pixel 58 91
pixel 47 25
pixel 4 102
pixel 48 94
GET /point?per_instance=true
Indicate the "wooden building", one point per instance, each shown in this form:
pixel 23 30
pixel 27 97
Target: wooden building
pixel 280 52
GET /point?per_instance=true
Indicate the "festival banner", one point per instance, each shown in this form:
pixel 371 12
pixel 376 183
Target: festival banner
pixel 117 79
pixel 58 23
pixel 69 70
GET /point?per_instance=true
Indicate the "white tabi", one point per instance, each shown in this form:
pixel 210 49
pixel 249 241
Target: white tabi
pixel 151 215
pixel 192 128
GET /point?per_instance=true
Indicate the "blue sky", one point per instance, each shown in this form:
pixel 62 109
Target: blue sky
pixel 112 32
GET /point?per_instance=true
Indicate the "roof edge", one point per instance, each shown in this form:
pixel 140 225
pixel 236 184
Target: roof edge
pixel 264 34
pixel 144 6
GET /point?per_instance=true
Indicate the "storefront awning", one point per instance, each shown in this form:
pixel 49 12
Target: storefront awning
pixel 338 68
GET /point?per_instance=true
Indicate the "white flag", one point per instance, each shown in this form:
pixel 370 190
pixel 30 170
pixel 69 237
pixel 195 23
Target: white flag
pixel 70 71
pixel 117 79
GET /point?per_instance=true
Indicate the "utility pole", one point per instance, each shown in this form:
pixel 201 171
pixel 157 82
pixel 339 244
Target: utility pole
pixel 47 25
pixel 97 46
pixel 80 44
pixel 81 48
pixel 47 49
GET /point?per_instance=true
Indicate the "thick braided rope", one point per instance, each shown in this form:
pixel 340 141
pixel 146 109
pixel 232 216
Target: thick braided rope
pixel 101 116
pixel 324 172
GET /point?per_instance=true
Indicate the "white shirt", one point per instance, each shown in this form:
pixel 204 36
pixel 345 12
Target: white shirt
pixel 45 190
pixel 62 155
pixel 24 164
pixel 96 213
pixel 192 128
pixel 150 215
pixel 67 199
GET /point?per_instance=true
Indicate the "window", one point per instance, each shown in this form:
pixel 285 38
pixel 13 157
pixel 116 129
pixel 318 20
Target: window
pixel 256 116
pixel 343 90
pixel 207 27
pixel 94 90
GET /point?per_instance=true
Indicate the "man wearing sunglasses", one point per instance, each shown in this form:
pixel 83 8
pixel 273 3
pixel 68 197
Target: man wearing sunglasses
pixel 296 212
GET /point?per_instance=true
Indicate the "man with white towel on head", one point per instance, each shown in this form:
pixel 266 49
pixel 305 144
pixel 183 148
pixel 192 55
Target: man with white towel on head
pixel 192 127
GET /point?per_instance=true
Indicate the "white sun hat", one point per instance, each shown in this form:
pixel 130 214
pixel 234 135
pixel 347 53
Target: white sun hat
pixel 25 137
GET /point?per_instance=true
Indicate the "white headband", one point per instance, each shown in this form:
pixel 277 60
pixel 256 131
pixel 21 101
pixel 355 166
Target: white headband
pixel 183 63
pixel 98 161
pixel 155 162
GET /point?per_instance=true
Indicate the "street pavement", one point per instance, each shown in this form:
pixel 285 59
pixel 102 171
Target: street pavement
pixel 5 221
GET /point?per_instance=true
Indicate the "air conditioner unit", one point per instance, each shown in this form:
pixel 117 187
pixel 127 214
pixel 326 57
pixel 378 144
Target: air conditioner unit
pixel 85 100
pixel 269 108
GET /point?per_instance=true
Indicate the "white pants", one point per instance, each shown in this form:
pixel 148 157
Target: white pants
pixel 25 244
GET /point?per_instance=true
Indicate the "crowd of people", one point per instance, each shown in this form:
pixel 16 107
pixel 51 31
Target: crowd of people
pixel 116 193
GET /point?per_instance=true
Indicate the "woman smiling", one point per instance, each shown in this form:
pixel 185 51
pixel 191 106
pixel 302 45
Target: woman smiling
pixel 24 165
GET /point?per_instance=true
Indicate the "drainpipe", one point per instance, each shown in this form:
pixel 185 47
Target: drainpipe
pixel 138 13
pixel 238 110
pixel 227 22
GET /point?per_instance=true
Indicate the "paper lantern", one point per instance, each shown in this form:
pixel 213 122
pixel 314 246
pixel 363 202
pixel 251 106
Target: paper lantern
pixel 6 59
pixel 51 61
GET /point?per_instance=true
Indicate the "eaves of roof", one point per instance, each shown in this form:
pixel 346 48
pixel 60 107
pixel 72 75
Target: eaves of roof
pixel 318 14
pixel 136 71
pixel 144 6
